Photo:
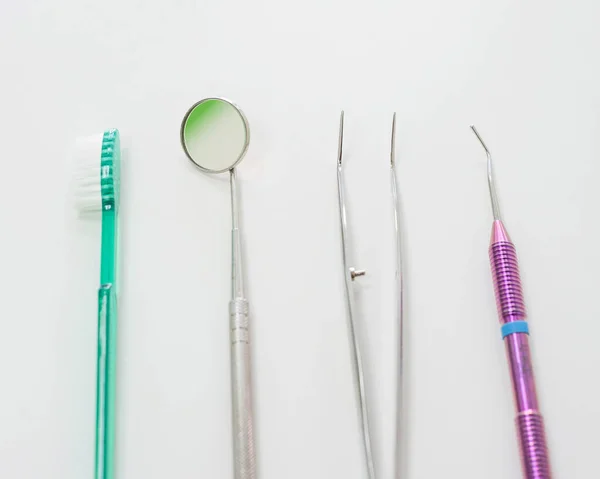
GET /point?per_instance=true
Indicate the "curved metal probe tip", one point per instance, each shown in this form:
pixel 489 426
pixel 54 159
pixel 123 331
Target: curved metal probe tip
pixel 490 175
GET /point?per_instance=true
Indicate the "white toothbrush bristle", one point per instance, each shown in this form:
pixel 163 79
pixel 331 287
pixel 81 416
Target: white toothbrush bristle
pixel 87 197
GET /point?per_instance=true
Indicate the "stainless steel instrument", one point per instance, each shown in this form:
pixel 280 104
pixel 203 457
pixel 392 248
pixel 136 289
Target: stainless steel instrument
pixel 215 136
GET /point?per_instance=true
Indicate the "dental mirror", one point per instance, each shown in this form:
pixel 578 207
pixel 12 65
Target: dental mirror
pixel 215 135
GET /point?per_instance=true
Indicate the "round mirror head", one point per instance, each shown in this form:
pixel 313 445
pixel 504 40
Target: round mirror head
pixel 215 135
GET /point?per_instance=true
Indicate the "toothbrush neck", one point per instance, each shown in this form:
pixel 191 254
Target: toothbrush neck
pixel 108 262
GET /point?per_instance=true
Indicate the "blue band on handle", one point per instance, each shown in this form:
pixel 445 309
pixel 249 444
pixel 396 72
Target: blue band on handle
pixel 514 327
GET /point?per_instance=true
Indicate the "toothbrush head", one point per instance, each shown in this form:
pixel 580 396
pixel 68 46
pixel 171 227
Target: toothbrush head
pixel 96 180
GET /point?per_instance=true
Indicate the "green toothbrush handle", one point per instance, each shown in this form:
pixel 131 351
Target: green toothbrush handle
pixel 105 382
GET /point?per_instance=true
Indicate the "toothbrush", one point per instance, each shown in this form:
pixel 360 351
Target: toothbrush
pixel 97 192
pixel 531 433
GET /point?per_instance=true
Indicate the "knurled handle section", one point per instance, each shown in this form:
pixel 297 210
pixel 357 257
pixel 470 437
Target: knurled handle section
pixel 507 282
pixel 534 451
pixel 241 388
pixel 238 316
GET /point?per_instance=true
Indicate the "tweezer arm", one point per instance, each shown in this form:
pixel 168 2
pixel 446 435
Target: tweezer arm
pixel 349 274
pixel 398 466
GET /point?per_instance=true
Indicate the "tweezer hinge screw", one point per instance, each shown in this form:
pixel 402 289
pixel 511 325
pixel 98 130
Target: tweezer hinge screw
pixel 354 273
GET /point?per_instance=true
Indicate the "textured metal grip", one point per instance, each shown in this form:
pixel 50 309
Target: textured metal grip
pixel 241 389
pixel 507 282
pixel 511 307
pixel 532 440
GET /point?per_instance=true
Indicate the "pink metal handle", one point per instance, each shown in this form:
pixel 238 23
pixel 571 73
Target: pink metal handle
pixel 511 308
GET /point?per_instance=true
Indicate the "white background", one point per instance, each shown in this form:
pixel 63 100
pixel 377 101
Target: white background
pixel 526 73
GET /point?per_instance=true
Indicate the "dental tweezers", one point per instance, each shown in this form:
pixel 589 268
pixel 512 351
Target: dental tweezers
pixel 350 274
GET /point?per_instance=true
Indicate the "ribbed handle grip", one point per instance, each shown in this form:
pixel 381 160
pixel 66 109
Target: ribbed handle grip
pixel 507 282
pixel 511 309
pixel 241 387
pixel 532 439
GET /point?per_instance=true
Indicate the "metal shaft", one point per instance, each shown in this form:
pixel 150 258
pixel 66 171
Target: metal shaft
pixel 241 377
pixel 511 309
pixel 237 269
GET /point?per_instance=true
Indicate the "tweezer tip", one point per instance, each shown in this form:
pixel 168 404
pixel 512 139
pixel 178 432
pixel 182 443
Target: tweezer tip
pixel 393 146
pixel 341 138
